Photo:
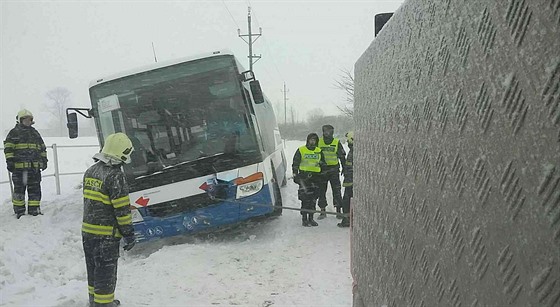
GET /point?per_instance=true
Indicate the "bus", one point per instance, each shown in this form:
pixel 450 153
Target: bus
pixel 207 149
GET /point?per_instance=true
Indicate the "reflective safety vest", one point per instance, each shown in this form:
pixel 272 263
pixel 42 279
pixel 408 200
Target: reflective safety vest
pixel 310 159
pixel 330 151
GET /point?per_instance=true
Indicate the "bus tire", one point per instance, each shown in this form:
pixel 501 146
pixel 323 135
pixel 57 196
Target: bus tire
pixel 278 199
pixel 277 195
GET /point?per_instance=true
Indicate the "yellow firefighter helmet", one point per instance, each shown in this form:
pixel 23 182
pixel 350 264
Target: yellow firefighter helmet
pixel 23 113
pixel 118 146
pixel 350 137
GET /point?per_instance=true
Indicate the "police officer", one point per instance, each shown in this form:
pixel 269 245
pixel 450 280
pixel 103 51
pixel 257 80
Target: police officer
pixel 348 173
pixel 333 151
pixel 306 167
pixel 26 157
pixel 107 218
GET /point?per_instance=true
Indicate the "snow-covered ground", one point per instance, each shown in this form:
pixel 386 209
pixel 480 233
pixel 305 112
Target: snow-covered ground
pixel 275 262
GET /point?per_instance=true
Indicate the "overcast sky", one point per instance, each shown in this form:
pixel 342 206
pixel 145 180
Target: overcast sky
pixel 306 44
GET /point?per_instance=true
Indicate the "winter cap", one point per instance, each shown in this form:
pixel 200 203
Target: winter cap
pixel 312 136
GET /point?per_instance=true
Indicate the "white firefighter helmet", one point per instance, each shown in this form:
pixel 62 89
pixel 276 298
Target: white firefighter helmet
pixel 23 113
pixel 350 137
pixel 118 146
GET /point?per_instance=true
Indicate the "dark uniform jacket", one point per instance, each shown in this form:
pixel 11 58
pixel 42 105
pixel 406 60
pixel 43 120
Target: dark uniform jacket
pixel 106 202
pixel 348 169
pixel 25 149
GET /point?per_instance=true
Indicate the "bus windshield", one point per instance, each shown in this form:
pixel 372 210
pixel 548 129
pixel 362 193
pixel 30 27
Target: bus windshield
pixel 179 115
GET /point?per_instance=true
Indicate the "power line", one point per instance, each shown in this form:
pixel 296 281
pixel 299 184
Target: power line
pixel 266 44
pixel 251 41
pixel 230 14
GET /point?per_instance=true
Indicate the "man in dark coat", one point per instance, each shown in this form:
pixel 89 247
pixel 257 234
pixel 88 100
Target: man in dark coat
pixel 307 164
pixel 333 152
pixel 107 218
pixel 26 157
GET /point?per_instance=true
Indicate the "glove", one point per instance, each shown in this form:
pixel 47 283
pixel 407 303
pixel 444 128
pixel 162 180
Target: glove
pixel 129 243
pixel 11 166
pixel 44 165
pixel 296 178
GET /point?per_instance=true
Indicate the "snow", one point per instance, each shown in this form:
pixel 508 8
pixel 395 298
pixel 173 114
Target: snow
pixel 272 262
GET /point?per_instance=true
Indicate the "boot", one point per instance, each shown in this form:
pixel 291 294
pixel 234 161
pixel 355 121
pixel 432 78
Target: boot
pixel 19 214
pixel 339 211
pixel 34 212
pixel 304 221
pixel 323 214
pixel 312 221
pixel 344 223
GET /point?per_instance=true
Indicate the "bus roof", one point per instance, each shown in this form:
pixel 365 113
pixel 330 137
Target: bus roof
pixel 158 65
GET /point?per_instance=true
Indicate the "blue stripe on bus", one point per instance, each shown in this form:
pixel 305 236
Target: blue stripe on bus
pixel 207 218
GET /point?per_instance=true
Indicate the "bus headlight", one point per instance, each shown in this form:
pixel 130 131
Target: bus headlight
pixel 249 185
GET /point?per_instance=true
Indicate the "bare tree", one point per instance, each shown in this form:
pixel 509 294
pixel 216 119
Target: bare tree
pixel 58 101
pixel 346 83
pixel 315 115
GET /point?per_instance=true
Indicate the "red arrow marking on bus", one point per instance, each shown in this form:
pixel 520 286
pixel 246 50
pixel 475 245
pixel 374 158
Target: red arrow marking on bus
pixel 142 201
pixel 203 186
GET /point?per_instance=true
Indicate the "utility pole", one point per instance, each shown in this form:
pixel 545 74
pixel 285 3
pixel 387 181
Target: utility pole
pixel 251 41
pixel 285 99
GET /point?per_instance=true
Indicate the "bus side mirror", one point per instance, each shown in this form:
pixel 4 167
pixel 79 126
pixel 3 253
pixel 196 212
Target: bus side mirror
pixel 72 124
pixel 256 91
pixel 381 20
pixel 247 76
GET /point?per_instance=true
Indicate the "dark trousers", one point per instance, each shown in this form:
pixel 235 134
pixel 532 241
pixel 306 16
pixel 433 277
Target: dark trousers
pixel 331 175
pixel 102 255
pixel 30 181
pixel 348 194
pixel 307 194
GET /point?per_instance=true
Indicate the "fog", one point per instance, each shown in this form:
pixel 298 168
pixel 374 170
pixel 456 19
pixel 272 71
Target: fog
pixel 51 44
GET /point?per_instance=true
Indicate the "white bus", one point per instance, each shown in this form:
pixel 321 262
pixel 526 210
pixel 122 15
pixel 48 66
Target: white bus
pixel 207 149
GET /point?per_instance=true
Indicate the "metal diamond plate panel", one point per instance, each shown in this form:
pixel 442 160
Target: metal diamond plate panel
pixel 457 201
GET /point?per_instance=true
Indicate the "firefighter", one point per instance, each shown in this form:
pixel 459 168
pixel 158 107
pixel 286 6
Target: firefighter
pixel 333 151
pixel 348 173
pixel 107 218
pixel 306 167
pixel 26 157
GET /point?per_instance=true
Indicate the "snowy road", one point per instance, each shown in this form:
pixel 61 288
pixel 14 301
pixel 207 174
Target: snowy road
pixel 274 262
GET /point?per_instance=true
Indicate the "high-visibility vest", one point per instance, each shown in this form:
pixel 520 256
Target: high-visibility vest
pixel 330 151
pixel 310 159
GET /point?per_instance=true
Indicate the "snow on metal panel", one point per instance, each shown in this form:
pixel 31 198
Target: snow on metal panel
pixel 458 114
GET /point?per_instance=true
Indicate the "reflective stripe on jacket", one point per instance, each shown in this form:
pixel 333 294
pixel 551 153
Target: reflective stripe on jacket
pixel 25 148
pixel 348 170
pixel 106 202
pixel 330 151
pixel 310 159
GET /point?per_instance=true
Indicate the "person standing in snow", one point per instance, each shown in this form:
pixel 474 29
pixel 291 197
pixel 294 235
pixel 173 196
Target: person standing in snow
pixel 107 218
pixel 26 157
pixel 348 173
pixel 333 151
pixel 306 166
